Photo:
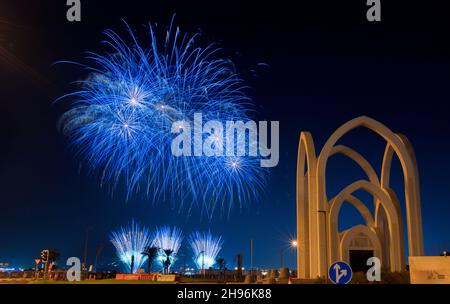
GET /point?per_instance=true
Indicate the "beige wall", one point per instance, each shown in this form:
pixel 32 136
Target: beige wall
pixel 429 269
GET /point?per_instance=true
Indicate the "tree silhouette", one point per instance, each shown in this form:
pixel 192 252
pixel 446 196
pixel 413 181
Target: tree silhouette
pixel 151 253
pixel 167 262
pixel 221 263
pixel 132 265
pixel 53 256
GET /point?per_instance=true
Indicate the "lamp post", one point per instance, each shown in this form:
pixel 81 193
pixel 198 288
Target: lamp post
pixel 203 262
pixel 293 244
pixel 36 261
pixel 251 259
pixel 86 248
pixel 184 263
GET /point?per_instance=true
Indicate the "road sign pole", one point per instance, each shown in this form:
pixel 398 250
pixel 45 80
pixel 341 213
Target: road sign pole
pixel 36 268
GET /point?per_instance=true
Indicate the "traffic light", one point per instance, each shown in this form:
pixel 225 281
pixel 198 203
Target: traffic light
pixel 44 255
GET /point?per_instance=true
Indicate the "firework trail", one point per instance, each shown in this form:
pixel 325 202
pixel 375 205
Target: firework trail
pixel 120 120
pixel 205 247
pixel 130 243
pixel 167 239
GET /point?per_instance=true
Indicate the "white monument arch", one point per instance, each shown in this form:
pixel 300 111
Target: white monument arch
pixel 319 241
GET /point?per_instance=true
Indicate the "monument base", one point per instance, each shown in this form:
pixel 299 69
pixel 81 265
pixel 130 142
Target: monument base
pixel 429 269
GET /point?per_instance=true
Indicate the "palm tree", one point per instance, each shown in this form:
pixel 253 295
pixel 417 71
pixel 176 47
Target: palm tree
pixel 167 262
pixel 151 253
pixel 53 255
pixel 132 264
pixel 98 250
pixel 222 265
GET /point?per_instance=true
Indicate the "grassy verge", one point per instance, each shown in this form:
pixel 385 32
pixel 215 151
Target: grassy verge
pixel 101 282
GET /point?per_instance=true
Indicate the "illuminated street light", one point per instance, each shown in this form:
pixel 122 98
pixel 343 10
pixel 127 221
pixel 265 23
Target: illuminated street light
pixel 293 244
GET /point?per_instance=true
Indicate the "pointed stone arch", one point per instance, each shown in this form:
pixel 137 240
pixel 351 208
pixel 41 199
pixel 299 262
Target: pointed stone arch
pixel 306 160
pixel 415 238
pixel 393 218
pixel 414 222
pixel 360 161
pixel 350 234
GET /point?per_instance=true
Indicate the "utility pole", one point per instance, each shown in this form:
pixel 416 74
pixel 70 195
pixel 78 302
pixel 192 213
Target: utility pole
pixel 239 265
pixel 203 264
pixel 281 259
pixel 97 253
pixel 251 258
pixel 36 261
pixel 85 247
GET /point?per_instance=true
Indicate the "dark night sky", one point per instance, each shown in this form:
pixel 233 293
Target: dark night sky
pixel 327 65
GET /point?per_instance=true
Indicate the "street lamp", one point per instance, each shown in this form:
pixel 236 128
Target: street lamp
pixel 293 244
pixel 202 253
pixel 203 264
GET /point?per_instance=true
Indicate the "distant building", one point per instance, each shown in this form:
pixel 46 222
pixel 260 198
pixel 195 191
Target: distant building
pixel 4 266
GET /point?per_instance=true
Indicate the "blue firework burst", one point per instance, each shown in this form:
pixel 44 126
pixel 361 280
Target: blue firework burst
pixel 121 115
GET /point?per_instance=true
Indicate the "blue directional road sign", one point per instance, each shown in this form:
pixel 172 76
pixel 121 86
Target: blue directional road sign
pixel 340 273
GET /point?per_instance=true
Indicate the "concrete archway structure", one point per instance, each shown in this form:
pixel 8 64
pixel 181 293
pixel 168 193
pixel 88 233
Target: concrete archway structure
pixel 317 217
pixel 351 234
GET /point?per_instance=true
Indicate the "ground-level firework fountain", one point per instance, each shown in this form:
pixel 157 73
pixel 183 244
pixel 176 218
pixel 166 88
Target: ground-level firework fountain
pixel 168 241
pixel 205 248
pixel 130 242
